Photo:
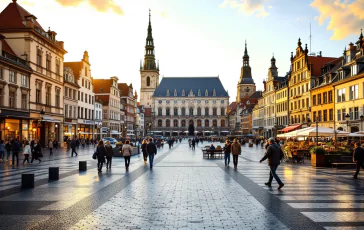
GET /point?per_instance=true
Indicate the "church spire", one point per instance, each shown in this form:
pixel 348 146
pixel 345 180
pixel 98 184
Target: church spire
pixel 246 56
pixel 149 58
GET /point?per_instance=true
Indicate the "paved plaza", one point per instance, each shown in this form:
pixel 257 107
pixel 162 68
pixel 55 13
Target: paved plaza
pixel 183 191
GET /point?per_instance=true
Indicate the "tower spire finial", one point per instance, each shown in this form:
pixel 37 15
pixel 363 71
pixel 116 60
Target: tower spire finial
pixel 149 16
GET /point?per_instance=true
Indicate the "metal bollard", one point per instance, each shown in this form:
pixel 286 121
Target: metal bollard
pixel 82 165
pixel 53 173
pixel 27 180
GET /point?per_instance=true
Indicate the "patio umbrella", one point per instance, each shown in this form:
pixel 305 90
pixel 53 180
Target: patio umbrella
pixel 322 132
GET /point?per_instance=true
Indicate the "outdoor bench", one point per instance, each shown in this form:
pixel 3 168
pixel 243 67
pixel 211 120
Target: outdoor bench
pixel 208 152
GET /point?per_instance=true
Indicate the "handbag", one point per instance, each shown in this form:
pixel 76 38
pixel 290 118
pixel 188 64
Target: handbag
pixel 94 156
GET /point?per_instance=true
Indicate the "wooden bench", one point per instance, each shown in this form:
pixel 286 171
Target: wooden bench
pixel 341 163
pixel 208 152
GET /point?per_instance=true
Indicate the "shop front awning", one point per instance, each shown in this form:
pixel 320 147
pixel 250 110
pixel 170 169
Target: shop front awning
pixel 291 128
pixel 50 119
pixel 114 132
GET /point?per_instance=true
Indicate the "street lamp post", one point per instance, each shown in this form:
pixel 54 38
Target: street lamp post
pixel 347 117
pixel 317 121
pixel 275 130
pixel 136 137
pixel 362 119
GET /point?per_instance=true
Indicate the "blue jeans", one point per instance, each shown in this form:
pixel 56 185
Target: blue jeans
pixel 2 155
pixel 273 173
pixel 151 159
pixel 227 157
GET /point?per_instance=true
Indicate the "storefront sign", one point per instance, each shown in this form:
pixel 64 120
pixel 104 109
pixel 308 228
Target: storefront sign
pixel 67 120
pixel 88 122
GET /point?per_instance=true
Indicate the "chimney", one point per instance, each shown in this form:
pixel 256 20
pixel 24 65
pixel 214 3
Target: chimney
pixel 51 34
pixel 1 44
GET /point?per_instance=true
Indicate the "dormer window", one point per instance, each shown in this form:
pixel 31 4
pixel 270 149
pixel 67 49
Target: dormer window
pixel 199 93
pixel 214 93
pixel 206 93
pixel 324 80
pixel 183 93
pixel 191 93
pixel 175 92
pixel 167 93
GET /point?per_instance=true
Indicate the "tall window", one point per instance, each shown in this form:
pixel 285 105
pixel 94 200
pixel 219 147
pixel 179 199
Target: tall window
pixel 319 99
pixel 70 111
pixel 325 97
pixel 57 67
pixel 222 112
pixel 353 92
pixel 207 123
pixel 1 96
pixel 183 111
pixel 206 111
pixel 339 115
pixel 66 110
pixel 214 112
pixel 198 111
pixel 168 123
pixel 314 100
pixel 175 123
pixel 12 98
pixel 356 113
pixel 198 123
pixel 48 63
pixel 38 93
pixel 39 57
pixel 159 111
pixel 1 73
pixel 58 97
pixel 159 123
pixel 330 96
pixel 48 95
pixel 24 101
pixel 168 111
pixel 222 123
pixel 183 123
pixel 191 111
pixel 12 76
pixel 341 95
pixel 325 115
pixel 175 111
pixel 331 114
pixel 148 81
pixel 351 113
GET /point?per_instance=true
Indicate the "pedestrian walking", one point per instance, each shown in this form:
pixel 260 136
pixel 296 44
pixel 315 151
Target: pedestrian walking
pixel 26 152
pixel 8 149
pixel 144 150
pixel 50 146
pixel 193 143
pixel 55 145
pixel 127 150
pixel 36 151
pixel 236 151
pixel 358 158
pixel 15 147
pixel 227 151
pixel 101 153
pixel 109 154
pixel 2 151
pixel 74 146
pixel 83 142
pixel 274 154
pixel 152 150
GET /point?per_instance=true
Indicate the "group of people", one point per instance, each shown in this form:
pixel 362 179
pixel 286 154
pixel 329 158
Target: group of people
pixel 14 147
pixel 105 150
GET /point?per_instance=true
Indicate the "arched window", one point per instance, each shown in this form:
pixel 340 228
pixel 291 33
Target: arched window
pixel 183 123
pixel 214 123
pixel 168 123
pixel 175 123
pixel 175 111
pixel 222 112
pixel 222 123
pixel 159 123
pixel 198 123
pixel 206 111
pixel 198 111
pixel 148 81
pixel 159 111
pixel 183 110
pixel 191 111
pixel 168 111
pixel 207 123
pixel 214 112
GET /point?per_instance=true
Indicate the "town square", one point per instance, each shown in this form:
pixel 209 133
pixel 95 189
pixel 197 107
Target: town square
pixel 168 114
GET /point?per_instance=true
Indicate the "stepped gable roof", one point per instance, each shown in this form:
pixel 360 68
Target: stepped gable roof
pixel 102 85
pixel 13 16
pixel 7 48
pixel 190 83
pixel 317 63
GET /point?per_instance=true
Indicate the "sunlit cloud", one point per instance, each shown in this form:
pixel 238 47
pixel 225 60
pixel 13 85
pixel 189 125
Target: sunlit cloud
pixel 99 5
pixel 247 6
pixel 164 14
pixel 344 18
pixel 27 3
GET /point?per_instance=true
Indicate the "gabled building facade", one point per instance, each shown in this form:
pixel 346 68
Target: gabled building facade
pixel 126 94
pixel 70 98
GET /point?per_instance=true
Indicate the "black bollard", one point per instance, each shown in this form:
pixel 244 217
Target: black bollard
pixel 27 180
pixel 82 165
pixel 53 173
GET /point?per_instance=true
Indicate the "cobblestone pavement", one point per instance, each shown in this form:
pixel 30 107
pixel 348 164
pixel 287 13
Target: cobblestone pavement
pixel 183 191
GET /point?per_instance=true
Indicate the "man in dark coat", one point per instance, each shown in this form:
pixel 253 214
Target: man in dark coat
pixel 358 158
pixel 152 150
pixel 193 144
pixel 74 146
pixel 15 147
pixel 274 154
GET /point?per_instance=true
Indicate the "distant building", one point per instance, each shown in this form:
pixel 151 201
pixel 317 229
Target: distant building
pixel 197 101
pixel 126 94
pixel 98 118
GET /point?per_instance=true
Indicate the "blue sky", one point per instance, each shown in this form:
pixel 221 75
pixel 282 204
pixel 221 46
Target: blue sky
pixel 197 37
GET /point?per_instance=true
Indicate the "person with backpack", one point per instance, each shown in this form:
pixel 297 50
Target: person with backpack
pixel 8 149
pixel 127 150
pixel 2 151
pixel 55 145
pixel 274 154
pixel 101 153
pixel 193 144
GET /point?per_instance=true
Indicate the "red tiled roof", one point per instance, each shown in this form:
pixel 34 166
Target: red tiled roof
pixel 104 99
pixel 317 63
pixel 232 106
pixel 12 17
pixel 124 89
pixel 76 68
pixel 7 48
pixel 102 85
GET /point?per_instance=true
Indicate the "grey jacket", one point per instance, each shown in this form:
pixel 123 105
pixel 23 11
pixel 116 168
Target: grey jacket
pixel 274 154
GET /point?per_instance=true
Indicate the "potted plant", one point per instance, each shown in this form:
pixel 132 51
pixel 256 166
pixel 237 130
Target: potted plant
pixel 318 156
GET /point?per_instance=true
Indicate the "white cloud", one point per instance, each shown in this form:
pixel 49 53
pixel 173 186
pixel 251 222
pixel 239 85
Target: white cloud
pixel 247 6
pixel 344 18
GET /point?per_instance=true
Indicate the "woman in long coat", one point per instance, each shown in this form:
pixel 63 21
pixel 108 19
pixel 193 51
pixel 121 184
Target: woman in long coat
pixel 101 153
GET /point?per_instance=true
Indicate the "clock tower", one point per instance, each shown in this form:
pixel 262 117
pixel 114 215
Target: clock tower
pixel 149 71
